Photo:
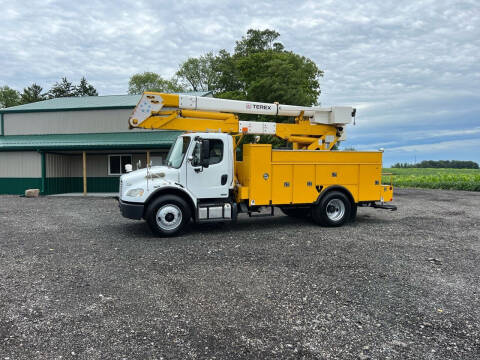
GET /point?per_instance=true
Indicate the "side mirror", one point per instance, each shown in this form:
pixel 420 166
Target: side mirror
pixel 205 153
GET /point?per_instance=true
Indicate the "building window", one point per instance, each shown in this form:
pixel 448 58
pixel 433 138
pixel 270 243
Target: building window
pixel 116 164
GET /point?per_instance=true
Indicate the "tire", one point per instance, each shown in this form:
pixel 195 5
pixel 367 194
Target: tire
pixel 296 212
pixel 334 209
pixel 168 215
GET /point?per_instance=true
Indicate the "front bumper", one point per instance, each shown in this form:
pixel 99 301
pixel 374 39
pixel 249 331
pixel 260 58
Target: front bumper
pixel 131 210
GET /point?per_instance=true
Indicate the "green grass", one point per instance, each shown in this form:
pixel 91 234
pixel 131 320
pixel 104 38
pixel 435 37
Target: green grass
pixel 454 179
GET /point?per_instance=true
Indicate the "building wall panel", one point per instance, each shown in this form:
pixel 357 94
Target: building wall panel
pixel 27 164
pixel 57 165
pixel 68 122
pixel 97 165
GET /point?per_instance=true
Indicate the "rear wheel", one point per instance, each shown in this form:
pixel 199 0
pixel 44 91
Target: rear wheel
pixel 168 215
pixel 334 209
pixel 296 212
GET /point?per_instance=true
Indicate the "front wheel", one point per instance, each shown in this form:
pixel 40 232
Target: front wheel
pixel 168 215
pixel 334 209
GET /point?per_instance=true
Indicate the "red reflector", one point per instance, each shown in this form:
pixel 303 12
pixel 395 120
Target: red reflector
pixel 391 199
pixel 244 130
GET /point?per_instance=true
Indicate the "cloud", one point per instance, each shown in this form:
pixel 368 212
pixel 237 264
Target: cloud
pixel 439 146
pixel 412 68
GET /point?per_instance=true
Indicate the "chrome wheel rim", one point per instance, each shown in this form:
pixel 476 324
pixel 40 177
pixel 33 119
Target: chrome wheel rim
pixel 335 209
pixel 169 217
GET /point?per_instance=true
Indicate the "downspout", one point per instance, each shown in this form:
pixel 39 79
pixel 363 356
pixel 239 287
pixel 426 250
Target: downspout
pixel 44 172
pixel 2 130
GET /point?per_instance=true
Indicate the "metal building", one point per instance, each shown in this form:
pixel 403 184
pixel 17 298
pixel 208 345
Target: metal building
pixel 77 144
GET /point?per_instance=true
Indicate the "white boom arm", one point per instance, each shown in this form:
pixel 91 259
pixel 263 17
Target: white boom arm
pixel 336 115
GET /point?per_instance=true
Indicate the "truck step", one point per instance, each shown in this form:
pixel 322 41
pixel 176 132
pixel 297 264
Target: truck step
pixel 272 213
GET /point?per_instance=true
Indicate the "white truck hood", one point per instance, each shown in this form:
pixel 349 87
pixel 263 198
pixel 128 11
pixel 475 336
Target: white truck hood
pixel 147 180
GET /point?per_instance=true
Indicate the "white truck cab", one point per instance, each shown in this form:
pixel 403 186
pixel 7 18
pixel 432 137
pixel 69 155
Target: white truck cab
pixel 198 175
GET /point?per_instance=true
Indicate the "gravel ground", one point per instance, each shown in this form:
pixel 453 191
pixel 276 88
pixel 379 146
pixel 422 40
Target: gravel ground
pixel 79 281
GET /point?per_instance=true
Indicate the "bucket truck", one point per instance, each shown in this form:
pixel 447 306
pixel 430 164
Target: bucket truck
pixel 204 181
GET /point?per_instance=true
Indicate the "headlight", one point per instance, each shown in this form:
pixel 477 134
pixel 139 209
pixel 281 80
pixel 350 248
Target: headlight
pixel 135 192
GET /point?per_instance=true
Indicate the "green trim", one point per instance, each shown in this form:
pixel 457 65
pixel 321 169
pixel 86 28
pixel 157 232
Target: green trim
pixel 78 103
pixel 89 141
pixel 2 130
pixel 58 185
pixel 61 185
pixel 67 109
pixel 86 103
pixel 17 186
pixel 124 147
pixel 44 173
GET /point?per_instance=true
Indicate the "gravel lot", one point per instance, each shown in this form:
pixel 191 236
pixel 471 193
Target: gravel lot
pixel 79 281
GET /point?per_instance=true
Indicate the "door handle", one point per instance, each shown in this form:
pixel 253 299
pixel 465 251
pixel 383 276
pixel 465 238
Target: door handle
pixel 224 179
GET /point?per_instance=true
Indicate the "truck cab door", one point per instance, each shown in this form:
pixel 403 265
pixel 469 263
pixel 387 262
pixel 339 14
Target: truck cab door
pixel 212 181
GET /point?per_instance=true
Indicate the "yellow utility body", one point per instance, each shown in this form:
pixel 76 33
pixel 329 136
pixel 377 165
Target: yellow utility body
pixel 204 179
pixel 289 177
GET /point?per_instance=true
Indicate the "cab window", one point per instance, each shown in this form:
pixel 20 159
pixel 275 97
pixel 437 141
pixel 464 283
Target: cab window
pixel 216 151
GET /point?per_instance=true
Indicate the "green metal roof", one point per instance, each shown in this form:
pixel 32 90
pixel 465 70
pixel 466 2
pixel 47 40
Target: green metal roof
pixel 126 140
pixel 86 103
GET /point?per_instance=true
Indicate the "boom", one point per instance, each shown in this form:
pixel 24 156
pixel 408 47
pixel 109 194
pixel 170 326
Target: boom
pixel 315 128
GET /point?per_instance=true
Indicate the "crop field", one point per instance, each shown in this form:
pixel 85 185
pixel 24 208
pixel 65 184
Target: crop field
pixel 452 179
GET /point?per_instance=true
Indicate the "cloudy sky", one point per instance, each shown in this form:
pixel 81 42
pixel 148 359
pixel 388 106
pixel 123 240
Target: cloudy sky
pixel 412 68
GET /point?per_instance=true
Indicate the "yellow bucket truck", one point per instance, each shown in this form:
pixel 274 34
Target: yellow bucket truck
pixel 203 180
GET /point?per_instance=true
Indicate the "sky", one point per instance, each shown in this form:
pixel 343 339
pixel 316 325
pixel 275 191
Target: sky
pixel 411 68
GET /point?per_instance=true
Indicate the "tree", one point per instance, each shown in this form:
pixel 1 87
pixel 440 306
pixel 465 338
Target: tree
pixel 285 77
pixel 65 88
pixel 149 81
pixel 259 70
pixel 85 89
pixel 442 164
pixel 8 97
pixel 62 89
pixel 257 41
pixel 31 94
pixel 269 73
pixel 200 73
pixel 228 83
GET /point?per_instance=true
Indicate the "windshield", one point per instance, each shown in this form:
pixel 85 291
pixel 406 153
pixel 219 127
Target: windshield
pixel 177 152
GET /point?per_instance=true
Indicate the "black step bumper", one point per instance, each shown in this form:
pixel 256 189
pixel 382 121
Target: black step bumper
pixel 131 210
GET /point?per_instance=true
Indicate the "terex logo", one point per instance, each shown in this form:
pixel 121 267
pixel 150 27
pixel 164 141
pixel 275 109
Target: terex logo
pixel 259 107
